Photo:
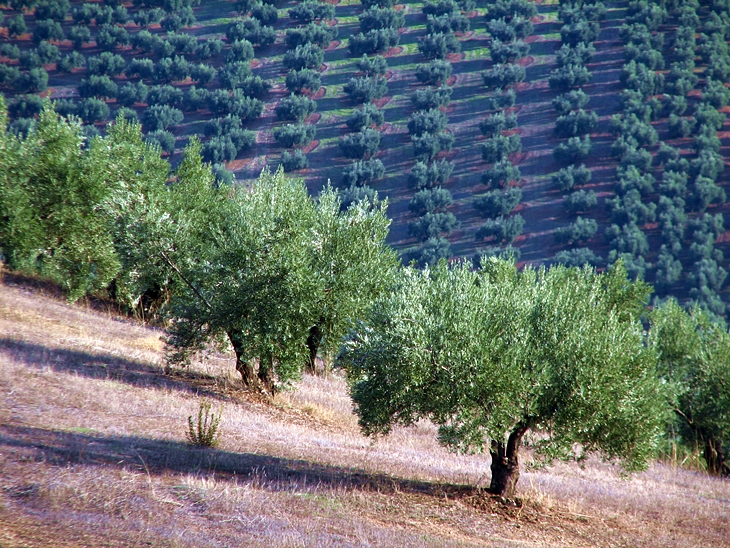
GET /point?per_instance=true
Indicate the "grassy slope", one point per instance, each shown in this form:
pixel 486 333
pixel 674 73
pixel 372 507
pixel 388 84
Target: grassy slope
pixel 94 454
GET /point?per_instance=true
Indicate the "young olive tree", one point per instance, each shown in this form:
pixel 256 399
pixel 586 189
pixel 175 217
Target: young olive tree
pixel 491 354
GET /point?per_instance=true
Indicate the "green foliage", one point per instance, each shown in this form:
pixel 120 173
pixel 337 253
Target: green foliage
pixel 578 257
pixel 433 250
pixel 245 248
pixel 313 33
pixel 50 202
pixel 292 135
pixel 372 66
pixel 162 117
pixel 435 73
pixel 311 10
pixel 433 225
pixel 364 143
pixel 47 29
pixel 575 123
pixel 16 26
pixel 33 81
pixel 365 89
pixel 568 77
pixel 204 431
pixel 295 107
pixel 580 201
pixel 437 46
pixel 93 110
pixel 430 200
pixel 426 99
pixel 363 172
pixel 503 229
pixel 161 138
pixel 106 63
pixel 501 174
pixel 267 14
pixel 508 52
pixel 569 177
pixel 367 116
pixel 427 121
pixel 373 41
pixel 494 124
pixel 252 30
pixel 98 86
pixel 498 202
pixel 301 81
pixel 425 175
pixel 294 161
pixel 376 18
pixel 507 30
pixel 428 145
pixel 307 56
pixel 502 76
pixel 573 150
pixel 447 23
pixel 241 51
pixel 492 353
pixel 579 231
pixel 577 55
pixel 693 360
pixel 499 147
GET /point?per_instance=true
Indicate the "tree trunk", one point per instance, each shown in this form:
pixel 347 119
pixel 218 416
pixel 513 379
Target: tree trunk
pixel 266 374
pixel 313 341
pixel 244 367
pixel 505 463
pixel 715 457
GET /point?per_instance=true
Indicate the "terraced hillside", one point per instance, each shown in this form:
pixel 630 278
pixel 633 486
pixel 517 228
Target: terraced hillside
pixel 580 132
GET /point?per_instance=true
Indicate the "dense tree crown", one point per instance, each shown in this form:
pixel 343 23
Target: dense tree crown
pixel 493 353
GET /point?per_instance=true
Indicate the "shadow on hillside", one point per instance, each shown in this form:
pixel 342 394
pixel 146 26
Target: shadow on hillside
pixel 105 366
pixel 157 457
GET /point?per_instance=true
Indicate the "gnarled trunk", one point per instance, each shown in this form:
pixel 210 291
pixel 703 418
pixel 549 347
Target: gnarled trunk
pixel 313 341
pixel 505 463
pixel 715 457
pixel 244 367
pixel 266 374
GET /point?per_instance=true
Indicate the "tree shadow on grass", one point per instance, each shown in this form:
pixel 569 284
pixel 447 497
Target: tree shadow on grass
pixel 158 457
pixel 106 366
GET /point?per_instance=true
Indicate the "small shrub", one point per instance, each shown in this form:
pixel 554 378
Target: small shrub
pixel 203 432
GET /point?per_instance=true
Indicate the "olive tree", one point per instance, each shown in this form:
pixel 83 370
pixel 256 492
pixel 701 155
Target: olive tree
pixel 491 354
pixel 272 271
pixel 693 358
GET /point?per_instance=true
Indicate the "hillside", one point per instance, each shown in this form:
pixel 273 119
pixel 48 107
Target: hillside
pixel 92 435
pixel 630 212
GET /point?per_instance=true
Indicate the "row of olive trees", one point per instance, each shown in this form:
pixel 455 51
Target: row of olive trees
pixel 581 26
pixel 268 270
pixel 509 25
pixel 688 188
pixel 445 21
pixel 631 208
pixel 303 59
pixel 379 31
pixel 279 277
pixel 364 122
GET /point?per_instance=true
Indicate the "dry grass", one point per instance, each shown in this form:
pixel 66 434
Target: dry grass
pixel 92 437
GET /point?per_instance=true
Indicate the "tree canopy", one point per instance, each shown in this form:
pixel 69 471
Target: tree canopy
pixel 492 353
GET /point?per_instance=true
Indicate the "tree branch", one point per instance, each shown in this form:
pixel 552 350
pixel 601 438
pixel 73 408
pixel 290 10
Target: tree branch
pixel 187 282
